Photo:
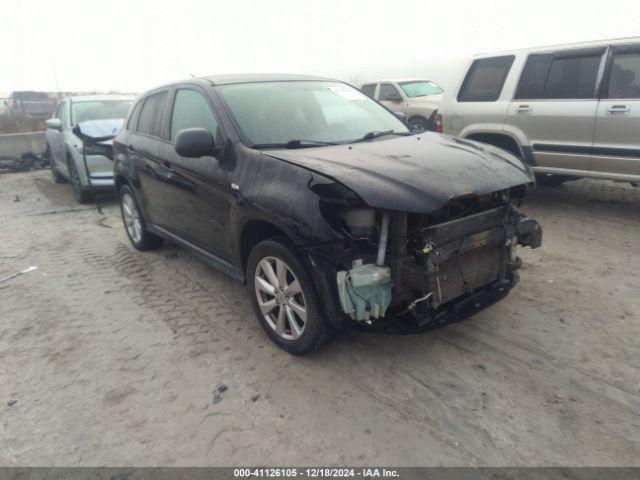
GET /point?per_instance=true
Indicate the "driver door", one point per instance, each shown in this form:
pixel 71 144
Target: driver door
pixel 390 96
pixel 197 194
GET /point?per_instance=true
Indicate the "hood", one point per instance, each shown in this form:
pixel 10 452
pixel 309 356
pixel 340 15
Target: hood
pixel 418 173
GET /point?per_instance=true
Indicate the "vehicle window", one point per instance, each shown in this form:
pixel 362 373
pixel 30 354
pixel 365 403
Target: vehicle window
pixel 131 123
pixel 624 79
pixel 485 79
pixel 420 88
pixel 191 110
pixel 83 111
pixel 388 91
pixel 572 77
pixel 273 113
pixel 150 120
pixel 534 76
pixel 369 90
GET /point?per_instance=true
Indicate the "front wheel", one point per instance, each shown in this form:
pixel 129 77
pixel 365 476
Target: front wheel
pixel 284 298
pixel 134 223
pixel 81 193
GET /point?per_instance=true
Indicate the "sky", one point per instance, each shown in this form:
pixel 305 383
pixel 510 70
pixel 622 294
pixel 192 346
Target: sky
pixel 70 45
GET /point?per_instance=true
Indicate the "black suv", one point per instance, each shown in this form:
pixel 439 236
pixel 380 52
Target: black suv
pixel 323 201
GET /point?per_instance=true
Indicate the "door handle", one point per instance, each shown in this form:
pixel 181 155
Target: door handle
pixel 523 108
pixel 130 148
pixel 166 164
pixel 613 109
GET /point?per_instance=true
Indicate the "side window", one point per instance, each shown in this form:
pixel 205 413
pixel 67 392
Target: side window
pixel 533 77
pixel 150 121
pixel 388 92
pixel 131 123
pixel 572 77
pixel 369 90
pixel 191 110
pixel 624 79
pixel 485 79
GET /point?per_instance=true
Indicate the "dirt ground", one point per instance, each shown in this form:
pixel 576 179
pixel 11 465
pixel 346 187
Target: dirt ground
pixel 109 356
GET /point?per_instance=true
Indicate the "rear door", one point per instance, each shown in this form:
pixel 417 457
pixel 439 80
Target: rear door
pixel 144 146
pixel 616 147
pixel 555 106
pixel 198 192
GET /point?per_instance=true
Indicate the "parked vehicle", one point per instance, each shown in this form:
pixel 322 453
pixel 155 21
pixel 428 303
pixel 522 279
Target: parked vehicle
pixel 29 104
pixel 322 201
pixel 569 111
pixel 66 148
pixel 417 99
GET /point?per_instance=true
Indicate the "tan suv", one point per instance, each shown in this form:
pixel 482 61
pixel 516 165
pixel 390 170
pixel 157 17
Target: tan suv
pixel 570 111
pixel 417 99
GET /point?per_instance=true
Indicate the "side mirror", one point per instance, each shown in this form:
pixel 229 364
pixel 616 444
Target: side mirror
pixel 54 124
pixel 393 97
pixel 194 143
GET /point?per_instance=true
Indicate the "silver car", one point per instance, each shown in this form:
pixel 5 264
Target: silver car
pixel 66 149
pixel 570 111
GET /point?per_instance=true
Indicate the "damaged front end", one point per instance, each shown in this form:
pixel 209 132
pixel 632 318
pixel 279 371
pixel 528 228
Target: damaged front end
pixel 424 267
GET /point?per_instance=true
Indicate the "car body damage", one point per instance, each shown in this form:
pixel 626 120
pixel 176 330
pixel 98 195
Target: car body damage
pixel 428 225
pixel 313 179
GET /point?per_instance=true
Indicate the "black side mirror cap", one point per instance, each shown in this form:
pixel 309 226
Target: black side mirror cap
pixel 194 143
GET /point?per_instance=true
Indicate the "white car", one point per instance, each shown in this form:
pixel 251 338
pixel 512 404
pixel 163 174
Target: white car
pixel 417 99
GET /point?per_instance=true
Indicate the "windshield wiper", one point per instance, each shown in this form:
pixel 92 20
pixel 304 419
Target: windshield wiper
pixel 380 133
pixel 295 143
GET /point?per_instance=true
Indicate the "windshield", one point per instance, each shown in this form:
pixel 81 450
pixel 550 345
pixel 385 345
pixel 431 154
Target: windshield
pixel 420 88
pixel 98 110
pixel 275 113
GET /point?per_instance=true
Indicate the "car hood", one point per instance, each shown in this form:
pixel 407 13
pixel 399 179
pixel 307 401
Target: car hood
pixel 418 173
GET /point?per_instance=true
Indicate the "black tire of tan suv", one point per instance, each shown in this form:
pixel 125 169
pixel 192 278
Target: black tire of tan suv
pixel 134 223
pixel 81 194
pixel 419 124
pixel 284 306
pixel 552 180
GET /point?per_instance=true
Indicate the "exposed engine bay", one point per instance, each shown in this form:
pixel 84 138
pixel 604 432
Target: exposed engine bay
pixel 423 265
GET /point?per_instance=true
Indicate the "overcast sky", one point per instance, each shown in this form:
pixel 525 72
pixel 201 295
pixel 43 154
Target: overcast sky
pixel 131 46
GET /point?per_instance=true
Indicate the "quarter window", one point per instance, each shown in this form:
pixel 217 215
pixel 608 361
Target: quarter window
pixel 624 79
pixel 369 90
pixel 191 110
pixel 150 121
pixel 485 79
pixel 131 123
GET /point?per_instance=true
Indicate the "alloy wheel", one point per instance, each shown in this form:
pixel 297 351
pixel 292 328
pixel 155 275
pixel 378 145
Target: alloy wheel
pixel 280 298
pixel 131 216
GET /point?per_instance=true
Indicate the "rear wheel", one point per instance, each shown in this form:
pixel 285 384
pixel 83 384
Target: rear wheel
pixel 82 194
pixel 284 298
pixel 419 124
pixel 57 176
pixel 134 222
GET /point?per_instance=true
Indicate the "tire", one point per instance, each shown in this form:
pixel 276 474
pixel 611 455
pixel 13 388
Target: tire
pixel 419 124
pixel 311 329
pixel 57 176
pixel 82 194
pixel 552 180
pixel 134 223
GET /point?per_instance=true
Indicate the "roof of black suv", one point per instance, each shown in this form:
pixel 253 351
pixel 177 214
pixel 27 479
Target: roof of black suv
pixel 262 77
